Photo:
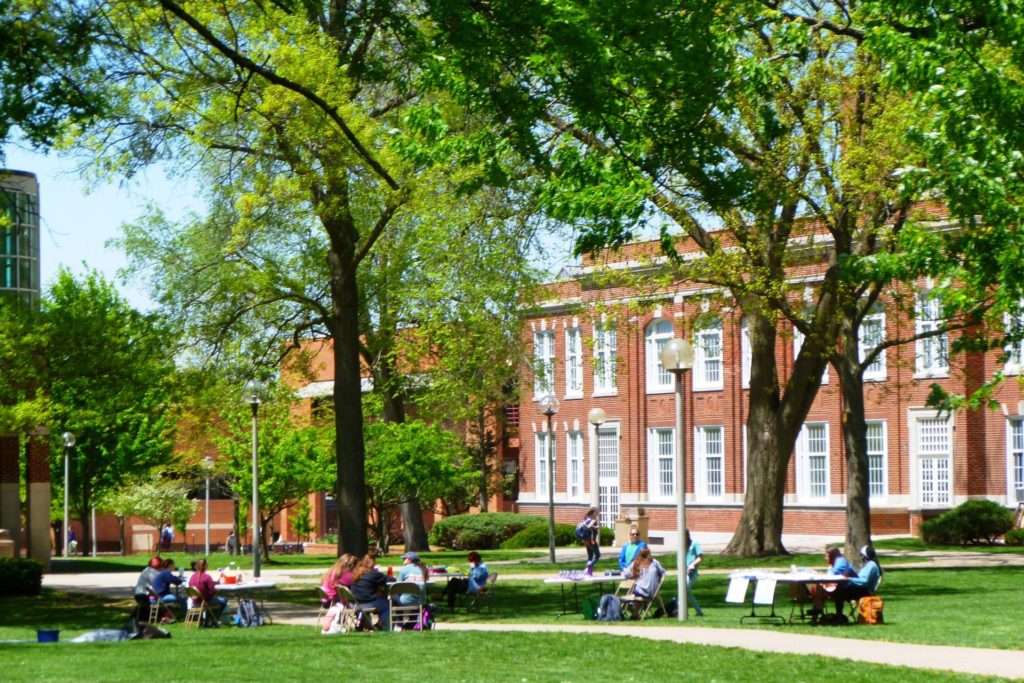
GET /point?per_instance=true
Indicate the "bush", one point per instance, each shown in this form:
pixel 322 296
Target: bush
pixel 481 531
pixel 20 576
pixel 973 522
pixel 1014 537
pixel 536 536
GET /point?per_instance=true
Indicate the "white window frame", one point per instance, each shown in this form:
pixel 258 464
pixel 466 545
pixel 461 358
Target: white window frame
pixel 705 456
pixel 661 449
pixel 543 363
pixel 609 473
pixel 605 359
pixel 573 362
pixel 659 332
pixel 869 336
pixel 574 464
pixel 542 443
pixel 746 352
pixel 708 365
pixel 1014 458
pixel 931 353
pixel 812 462
pixel 932 468
pixel 878 459
pixel 1014 364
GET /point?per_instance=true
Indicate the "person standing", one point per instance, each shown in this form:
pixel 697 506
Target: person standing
pixel 694 556
pixel 630 549
pixel 591 538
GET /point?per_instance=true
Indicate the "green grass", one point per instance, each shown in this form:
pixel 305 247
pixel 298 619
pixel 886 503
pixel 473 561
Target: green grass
pixel 912 544
pixel 278 653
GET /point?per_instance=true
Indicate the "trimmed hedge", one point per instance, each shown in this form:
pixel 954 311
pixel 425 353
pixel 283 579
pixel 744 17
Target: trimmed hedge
pixel 1014 537
pixel 565 535
pixel 20 576
pixel 481 531
pixel 973 522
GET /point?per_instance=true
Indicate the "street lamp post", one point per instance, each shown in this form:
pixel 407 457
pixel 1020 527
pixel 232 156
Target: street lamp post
pixel 549 406
pixel 253 389
pixel 69 441
pixel 595 417
pixel 207 465
pixel 677 358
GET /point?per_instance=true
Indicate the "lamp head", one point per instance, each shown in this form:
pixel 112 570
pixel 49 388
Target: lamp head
pixel 677 355
pixel 69 439
pixel 208 463
pixel 549 405
pixel 253 392
pixel 596 417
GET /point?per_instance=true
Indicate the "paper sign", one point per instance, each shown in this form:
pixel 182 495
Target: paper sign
pixel 764 594
pixel 737 590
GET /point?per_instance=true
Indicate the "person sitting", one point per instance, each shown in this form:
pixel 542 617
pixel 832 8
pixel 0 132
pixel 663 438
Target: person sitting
pixel 340 574
pixel 142 585
pixel 412 570
pixel 204 583
pixel 474 583
pixel 369 587
pixel 838 565
pixel 629 551
pixel 864 584
pixel 646 573
pixel 163 582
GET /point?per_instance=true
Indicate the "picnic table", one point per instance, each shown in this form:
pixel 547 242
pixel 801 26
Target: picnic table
pixel 252 589
pixel 764 591
pixel 574 581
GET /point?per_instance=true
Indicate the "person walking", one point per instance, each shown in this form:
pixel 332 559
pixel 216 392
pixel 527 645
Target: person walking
pixel 589 531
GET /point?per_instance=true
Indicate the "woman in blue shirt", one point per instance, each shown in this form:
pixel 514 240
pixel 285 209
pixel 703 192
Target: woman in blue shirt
pixel 476 581
pixel 864 583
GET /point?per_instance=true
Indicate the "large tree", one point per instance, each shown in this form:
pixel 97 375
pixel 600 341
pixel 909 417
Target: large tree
pixel 752 128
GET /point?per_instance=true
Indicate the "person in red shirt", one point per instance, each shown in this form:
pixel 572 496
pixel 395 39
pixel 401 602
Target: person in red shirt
pixel 207 587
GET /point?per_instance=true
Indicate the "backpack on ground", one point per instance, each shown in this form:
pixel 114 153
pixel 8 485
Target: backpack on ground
pixel 869 610
pixel 583 532
pixel 590 605
pixel 610 608
pixel 248 614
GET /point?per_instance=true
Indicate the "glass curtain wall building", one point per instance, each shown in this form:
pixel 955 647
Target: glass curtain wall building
pixel 19 236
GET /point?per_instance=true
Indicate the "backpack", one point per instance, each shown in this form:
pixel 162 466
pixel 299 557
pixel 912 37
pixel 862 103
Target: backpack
pixel 248 614
pixel 610 608
pixel 590 604
pixel 583 531
pixel 869 610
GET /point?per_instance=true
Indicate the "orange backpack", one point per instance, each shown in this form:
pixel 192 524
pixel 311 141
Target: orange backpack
pixel 869 610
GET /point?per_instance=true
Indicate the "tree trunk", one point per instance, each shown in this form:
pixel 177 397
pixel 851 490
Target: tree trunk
pixel 348 407
pixel 121 536
pixel 481 432
pixel 858 486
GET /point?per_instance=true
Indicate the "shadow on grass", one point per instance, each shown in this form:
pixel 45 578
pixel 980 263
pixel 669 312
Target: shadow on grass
pixel 53 609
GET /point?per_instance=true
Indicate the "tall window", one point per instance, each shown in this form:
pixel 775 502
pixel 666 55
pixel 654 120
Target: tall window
pixel 573 362
pixel 1015 439
pixel 877 460
pixel 608 472
pixel 934 450
pixel 932 352
pixel 1014 350
pixel 812 461
pixel 745 351
pixel 543 362
pixel 709 464
pixel 658 378
pixel 605 358
pixel 662 472
pixel 872 333
pixel 543 443
pixel 574 458
pixel 707 357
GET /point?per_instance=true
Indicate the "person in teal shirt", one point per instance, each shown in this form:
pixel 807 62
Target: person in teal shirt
pixel 630 550
pixel 694 556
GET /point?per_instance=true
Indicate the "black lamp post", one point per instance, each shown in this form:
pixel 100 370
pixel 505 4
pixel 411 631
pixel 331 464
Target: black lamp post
pixel 253 392
pixel 549 406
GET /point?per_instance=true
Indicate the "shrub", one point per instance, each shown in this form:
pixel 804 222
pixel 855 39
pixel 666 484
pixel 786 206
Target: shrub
pixel 481 531
pixel 536 536
pixel 976 521
pixel 1014 537
pixel 20 576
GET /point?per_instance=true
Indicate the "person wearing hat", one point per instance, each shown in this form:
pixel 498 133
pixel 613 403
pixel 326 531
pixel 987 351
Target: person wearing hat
pixel 412 570
pixel 866 581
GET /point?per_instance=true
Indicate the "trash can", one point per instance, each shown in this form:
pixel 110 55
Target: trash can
pixel 48 635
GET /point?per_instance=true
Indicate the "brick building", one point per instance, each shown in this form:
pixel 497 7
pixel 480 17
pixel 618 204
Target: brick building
pixel 595 344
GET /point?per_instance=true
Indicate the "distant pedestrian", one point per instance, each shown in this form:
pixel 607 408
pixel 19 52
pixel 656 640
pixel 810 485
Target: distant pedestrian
pixel 591 538
pixel 231 543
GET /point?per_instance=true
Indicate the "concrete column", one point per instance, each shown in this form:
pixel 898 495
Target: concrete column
pixel 37 485
pixel 10 497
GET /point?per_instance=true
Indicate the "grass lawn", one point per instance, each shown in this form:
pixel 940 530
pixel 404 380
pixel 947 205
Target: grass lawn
pixel 285 653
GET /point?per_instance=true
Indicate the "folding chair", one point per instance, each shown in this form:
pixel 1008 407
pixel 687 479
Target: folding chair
pixel 354 612
pixel 625 588
pixel 854 605
pixel 405 615
pixel 325 603
pixel 640 606
pixel 154 606
pixel 196 614
pixel 800 596
pixel 483 597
